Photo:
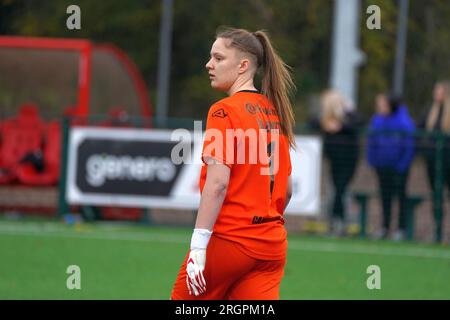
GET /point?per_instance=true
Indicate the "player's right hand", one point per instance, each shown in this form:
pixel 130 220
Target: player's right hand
pixel 195 266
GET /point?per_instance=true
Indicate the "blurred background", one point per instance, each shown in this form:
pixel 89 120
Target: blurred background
pixel 140 65
pixel 301 31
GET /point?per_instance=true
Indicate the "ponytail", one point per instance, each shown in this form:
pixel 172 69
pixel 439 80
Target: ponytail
pixel 277 85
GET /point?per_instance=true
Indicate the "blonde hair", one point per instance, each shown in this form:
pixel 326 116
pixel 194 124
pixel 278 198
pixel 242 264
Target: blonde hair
pixel 433 115
pixel 332 106
pixel 277 83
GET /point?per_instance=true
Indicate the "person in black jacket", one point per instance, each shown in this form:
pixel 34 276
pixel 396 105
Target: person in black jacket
pixel 437 122
pixel 339 124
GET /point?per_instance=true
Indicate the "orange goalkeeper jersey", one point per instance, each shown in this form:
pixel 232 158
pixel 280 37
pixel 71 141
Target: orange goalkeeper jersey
pixel 241 132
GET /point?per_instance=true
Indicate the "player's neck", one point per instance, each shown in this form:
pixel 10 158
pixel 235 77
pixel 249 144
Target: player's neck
pixel 240 85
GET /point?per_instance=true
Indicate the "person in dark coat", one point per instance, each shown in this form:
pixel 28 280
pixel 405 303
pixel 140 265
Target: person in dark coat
pixel 339 126
pixel 436 122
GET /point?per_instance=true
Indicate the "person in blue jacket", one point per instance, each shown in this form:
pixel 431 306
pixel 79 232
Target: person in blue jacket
pixel 390 150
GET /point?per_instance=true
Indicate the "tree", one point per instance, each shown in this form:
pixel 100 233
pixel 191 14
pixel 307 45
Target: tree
pixel 300 30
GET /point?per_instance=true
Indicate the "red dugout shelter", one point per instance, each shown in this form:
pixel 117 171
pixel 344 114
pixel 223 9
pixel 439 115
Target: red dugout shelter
pixel 43 78
pixel 91 61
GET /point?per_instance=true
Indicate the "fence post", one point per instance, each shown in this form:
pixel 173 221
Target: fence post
pixel 362 200
pixel 438 185
pixel 412 202
pixel 62 203
pixel 146 216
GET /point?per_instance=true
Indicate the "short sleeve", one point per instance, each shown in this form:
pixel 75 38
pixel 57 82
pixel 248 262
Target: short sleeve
pixel 216 145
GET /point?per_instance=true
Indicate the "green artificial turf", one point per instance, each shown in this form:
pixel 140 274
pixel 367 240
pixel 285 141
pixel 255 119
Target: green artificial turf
pixel 120 261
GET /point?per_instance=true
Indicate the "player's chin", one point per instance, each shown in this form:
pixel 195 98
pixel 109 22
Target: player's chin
pixel 218 86
pixel 215 84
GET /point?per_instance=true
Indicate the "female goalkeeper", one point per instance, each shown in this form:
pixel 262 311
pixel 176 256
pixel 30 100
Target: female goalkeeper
pixel 238 247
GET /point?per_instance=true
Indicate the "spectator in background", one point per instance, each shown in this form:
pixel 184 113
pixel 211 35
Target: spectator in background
pixel 437 121
pixel 339 123
pixel 390 150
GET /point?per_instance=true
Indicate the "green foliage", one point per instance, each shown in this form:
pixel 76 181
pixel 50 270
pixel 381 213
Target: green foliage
pixel 379 47
pixel 301 32
pixel 428 51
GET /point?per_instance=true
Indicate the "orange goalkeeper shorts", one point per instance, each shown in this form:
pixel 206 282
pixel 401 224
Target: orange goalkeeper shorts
pixel 230 274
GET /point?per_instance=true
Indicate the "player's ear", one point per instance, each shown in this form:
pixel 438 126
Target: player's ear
pixel 244 65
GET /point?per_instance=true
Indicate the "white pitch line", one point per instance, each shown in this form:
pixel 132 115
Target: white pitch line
pixel 360 249
pixel 86 234
pixel 53 230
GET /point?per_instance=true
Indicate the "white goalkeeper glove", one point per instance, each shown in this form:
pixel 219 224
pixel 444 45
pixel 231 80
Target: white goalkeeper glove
pixel 196 262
